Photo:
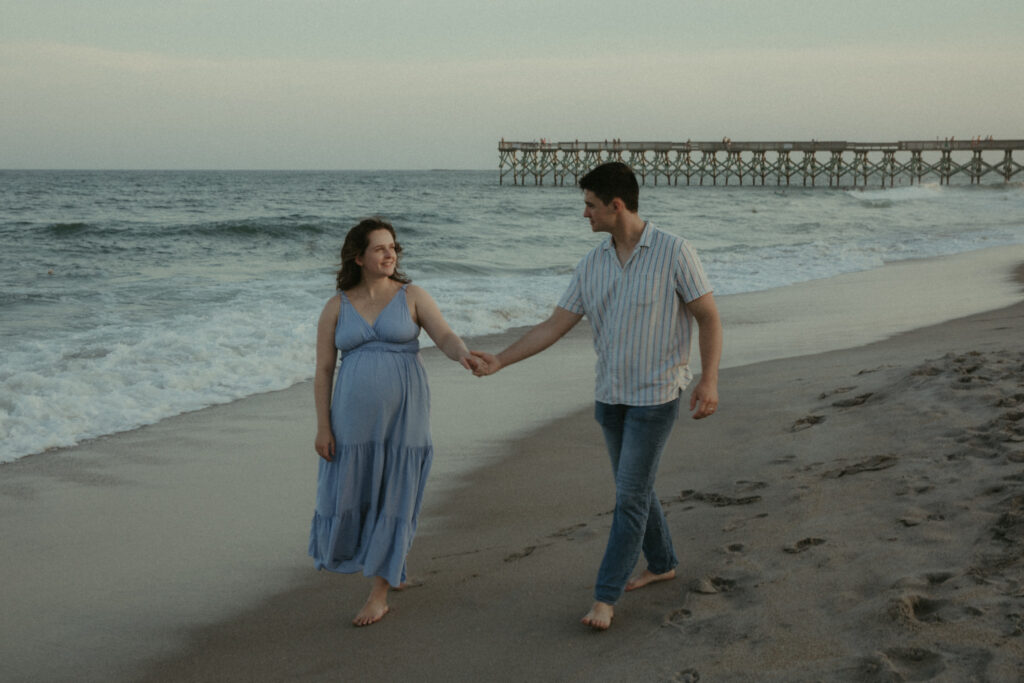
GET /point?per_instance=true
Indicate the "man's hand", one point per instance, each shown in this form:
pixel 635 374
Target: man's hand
pixel 486 364
pixel 705 394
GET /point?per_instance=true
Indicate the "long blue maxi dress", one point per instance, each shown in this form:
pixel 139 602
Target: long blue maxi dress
pixel 369 496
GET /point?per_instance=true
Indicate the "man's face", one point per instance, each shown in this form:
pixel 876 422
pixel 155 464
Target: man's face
pixel 601 215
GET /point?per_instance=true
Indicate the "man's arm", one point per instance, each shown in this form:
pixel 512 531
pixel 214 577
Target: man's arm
pixel 536 339
pixel 709 338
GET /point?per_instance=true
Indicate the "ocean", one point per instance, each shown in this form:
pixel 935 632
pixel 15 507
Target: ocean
pixel 130 296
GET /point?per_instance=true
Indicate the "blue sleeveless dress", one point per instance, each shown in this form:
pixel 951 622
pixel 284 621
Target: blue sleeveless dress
pixel 369 496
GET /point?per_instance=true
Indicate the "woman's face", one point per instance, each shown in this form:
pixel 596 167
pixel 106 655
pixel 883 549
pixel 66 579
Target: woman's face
pixel 380 257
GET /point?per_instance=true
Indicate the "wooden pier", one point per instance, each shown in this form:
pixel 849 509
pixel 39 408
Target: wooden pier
pixel 810 164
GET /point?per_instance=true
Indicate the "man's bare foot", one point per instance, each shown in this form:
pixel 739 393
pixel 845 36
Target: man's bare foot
pixel 376 605
pixel 649 577
pixel 600 616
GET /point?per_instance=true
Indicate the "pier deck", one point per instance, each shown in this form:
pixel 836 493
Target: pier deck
pixel 827 163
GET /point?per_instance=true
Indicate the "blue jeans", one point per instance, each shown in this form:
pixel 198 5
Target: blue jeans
pixel 635 436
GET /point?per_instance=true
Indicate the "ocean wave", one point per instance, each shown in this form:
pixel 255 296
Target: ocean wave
pixel 15 297
pixel 65 229
pixel 889 197
pixel 285 227
pixel 281 227
pixel 448 267
pixel 115 377
pixel 205 287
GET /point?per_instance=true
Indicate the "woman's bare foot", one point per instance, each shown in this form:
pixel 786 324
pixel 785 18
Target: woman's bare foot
pixel 600 616
pixel 649 577
pixel 376 605
pixel 408 583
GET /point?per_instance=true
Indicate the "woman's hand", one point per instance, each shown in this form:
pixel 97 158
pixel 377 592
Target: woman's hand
pixel 325 444
pixel 469 361
pixel 486 364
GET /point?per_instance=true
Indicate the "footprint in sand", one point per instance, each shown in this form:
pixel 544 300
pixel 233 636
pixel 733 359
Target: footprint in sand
pixel 926 371
pixel 916 516
pixel 676 617
pixel 915 663
pixel 571 533
pixel 898 664
pixel 926 580
pixel 710 585
pixel 872 464
pixel 716 499
pixel 1013 425
pixel 525 552
pixel 803 544
pixel 1008 529
pixel 840 390
pixel 806 422
pixel 851 402
pixel 914 608
pixel 907 487
pixel 1010 401
pixel 938 578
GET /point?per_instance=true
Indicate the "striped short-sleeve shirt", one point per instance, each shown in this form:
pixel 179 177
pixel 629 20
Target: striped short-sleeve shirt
pixel 642 328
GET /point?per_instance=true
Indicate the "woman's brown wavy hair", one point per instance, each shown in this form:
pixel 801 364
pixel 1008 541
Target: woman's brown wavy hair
pixel 356 241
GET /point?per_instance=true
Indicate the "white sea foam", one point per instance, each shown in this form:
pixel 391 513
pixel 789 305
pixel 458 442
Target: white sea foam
pixel 109 378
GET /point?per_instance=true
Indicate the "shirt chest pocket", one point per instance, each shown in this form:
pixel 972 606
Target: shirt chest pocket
pixel 622 294
pixel 642 290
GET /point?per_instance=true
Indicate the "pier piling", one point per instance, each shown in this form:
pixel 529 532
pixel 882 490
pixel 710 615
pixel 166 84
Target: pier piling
pixel 814 163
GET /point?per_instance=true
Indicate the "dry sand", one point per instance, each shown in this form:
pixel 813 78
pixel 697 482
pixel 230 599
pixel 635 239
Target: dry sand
pixel 852 515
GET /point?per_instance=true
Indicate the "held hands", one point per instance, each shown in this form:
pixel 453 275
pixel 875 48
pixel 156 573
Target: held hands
pixel 486 364
pixel 469 362
pixel 705 394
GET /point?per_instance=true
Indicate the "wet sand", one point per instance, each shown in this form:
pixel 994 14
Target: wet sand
pixel 849 515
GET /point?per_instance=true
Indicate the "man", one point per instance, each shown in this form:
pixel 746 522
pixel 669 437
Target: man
pixel 641 289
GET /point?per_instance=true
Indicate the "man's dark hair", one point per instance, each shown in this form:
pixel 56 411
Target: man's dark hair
pixel 611 180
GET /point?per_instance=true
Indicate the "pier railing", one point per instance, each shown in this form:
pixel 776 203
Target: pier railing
pixel 815 163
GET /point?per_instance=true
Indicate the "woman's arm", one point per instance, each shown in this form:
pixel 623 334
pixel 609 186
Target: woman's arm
pixel 323 378
pixel 426 313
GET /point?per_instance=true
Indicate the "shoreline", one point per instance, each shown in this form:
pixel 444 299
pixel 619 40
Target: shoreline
pixel 140 548
pixel 773 323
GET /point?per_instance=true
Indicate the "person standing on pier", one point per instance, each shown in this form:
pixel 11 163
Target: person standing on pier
pixel 642 289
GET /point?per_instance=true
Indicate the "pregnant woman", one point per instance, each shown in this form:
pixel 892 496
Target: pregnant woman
pixel 373 430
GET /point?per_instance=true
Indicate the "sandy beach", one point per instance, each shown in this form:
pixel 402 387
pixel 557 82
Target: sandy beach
pixel 854 514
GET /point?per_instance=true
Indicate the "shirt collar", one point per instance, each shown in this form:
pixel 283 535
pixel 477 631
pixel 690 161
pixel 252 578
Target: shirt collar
pixel 645 238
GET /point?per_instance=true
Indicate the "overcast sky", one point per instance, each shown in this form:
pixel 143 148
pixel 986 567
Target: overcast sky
pixel 396 84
